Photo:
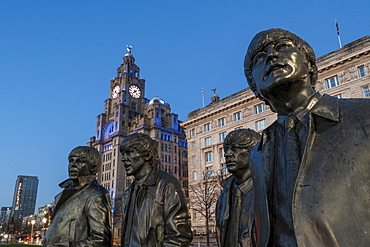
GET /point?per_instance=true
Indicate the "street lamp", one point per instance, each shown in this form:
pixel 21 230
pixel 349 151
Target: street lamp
pixel 32 223
pixel 44 220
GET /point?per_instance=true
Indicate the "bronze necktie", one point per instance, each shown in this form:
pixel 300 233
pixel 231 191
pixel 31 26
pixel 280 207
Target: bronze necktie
pixel 292 154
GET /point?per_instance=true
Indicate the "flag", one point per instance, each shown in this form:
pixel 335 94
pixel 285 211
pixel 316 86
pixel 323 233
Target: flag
pixel 337 27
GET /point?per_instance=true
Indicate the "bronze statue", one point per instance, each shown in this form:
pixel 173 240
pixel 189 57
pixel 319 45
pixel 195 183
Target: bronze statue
pixel 155 211
pixel 235 206
pixel 311 169
pixel 82 215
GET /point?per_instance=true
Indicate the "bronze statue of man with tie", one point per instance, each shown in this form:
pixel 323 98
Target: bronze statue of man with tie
pixel 311 169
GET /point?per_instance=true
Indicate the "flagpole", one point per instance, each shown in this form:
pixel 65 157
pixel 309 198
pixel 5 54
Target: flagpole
pixel 203 96
pixel 337 27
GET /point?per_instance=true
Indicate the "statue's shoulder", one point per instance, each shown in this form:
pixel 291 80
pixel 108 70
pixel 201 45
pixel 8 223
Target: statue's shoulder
pixel 96 188
pixel 166 178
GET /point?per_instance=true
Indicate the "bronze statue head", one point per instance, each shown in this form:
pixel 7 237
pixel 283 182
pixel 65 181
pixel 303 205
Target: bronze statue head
pixel 237 145
pixel 83 161
pixel 270 45
pixel 137 151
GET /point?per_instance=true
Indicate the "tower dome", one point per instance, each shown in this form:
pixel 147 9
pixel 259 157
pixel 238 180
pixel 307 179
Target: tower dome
pixel 157 100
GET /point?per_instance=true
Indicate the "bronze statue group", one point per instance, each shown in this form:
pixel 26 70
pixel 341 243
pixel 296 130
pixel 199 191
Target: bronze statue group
pixel 304 182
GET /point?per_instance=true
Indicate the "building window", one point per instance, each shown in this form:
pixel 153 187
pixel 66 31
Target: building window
pixel 207 141
pixel 222 136
pixel 209 171
pixel 221 122
pixel 222 153
pixel 259 108
pixel 237 116
pixel 339 96
pixel 260 125
pixel 361 71
pixel 366 91
pixel 192 132
pixel 195 175
pixel 209 156
pixel 207 127
pixel 332 82
pixel 193 145
pixel 194 158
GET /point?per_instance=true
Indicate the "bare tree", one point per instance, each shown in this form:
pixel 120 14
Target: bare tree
pixel 203 196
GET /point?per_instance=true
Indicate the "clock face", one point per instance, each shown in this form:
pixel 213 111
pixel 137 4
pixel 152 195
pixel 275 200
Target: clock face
pixel 115 92
pixel 134 91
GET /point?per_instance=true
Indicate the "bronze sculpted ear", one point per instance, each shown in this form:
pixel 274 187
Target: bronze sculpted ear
pixel 149 156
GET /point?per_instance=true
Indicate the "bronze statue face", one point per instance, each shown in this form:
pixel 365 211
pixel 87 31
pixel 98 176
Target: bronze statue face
pixel 277 65
pixel 236 158
pixel 77 167
pixel 132 160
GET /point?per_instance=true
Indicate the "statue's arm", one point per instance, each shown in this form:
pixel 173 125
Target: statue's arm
pixel 98 213
pixel 177 225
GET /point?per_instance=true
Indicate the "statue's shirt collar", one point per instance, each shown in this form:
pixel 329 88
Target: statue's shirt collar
pixel 302 112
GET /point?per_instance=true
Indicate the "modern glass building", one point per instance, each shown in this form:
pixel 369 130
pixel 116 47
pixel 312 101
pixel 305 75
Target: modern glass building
pixel 24 199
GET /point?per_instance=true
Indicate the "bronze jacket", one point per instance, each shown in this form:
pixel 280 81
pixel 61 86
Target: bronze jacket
pixel 82 217
pixel 163 213
pixel 223 214
pixel 331 201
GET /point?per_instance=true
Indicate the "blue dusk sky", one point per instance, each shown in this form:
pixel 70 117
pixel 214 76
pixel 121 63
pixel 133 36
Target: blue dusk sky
pixel 58 57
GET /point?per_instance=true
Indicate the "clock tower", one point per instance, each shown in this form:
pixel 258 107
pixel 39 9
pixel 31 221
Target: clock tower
pixel 127 111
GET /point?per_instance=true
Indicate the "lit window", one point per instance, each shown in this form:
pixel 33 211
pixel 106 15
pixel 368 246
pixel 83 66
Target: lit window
pixel 237 116
pixel 221 122
pixel 222 136
pixel 366 91
pixel 209 156
pixel 194 158
pixel 361 71
pixel 259 108
pixel 260 125
pixel 207 127
pixel 207 141
pixel 332 82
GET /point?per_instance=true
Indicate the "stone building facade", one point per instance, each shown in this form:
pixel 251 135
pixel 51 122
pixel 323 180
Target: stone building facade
pixel 344 73
pixel 127 111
